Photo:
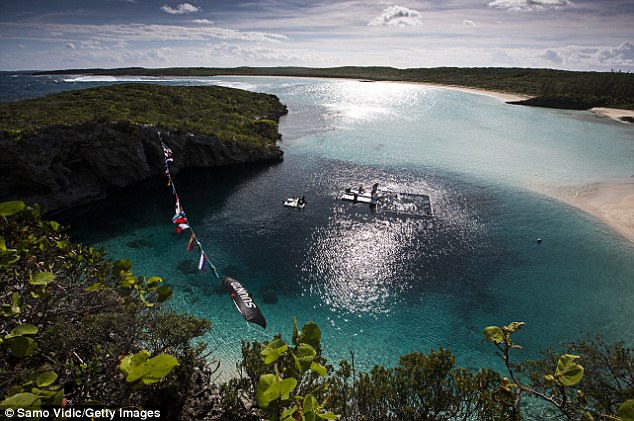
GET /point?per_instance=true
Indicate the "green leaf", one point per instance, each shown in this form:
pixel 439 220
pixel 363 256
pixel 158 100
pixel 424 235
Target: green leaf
pixel 263 393
pixel 153 370
pixel 153 282
pixel 273 350
pixel 312 336
pixel 514 327
pixel 97 286
pixel 295 332
pixel 494 334
pixel 126 365
pixel 42 278
pixel 311 405
pixel 46 379
pixel 329 416
pixel 164 293
pixel 626 410
pixel 287 414
pixel 21 346
pixel 3 245
pixel 318 368
pixel 270 387
pixel 140 357
pixel 58 398
pixel 54 225
pixel 9 257
pixel 11 208
pixel 304 356
pixel 568 372
pixel 44 394
pixel 23 329
pixel 14 390
pixel 122 265
pixel 22 400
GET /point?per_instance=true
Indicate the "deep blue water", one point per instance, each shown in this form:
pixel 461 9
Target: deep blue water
pixel 380 284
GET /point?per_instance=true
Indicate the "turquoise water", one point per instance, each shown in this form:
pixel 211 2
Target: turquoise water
pixel 379 284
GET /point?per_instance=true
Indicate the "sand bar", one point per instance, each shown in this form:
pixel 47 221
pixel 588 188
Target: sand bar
pixel 612 203
pixel 613 113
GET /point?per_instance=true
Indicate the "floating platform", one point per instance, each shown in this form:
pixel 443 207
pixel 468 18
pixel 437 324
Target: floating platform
pixel 387 201
pixel 294 202
pixel 405 203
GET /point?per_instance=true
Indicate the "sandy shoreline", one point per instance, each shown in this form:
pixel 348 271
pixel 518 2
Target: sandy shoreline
pixel 612 203
pixel 613 113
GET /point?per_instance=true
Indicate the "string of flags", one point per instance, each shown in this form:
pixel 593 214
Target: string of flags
pixel 180 218
pixel 239 294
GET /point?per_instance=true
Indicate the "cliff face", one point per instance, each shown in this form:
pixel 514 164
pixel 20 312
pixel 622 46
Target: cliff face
pixel 60 167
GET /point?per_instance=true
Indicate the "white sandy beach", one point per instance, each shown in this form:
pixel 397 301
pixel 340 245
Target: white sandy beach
pixel 612 203
pixel 613 113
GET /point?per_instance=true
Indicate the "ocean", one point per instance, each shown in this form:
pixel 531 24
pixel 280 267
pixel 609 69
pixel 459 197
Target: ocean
pixel 379 284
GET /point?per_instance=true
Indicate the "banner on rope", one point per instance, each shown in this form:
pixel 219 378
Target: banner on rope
pixel 244 303
pixel 239 294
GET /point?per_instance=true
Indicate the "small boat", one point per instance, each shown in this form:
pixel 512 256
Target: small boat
pixel 294 202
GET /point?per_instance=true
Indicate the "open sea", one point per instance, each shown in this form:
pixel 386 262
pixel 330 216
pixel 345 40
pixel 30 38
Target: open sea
pixel 379 284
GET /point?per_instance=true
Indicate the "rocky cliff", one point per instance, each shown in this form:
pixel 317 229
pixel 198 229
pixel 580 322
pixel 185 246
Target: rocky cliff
pixel 62 167
pixel 65 165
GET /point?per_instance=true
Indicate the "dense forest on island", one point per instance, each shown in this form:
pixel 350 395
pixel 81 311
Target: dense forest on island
pixel 556 88
pixel 231 115
pixel 79 330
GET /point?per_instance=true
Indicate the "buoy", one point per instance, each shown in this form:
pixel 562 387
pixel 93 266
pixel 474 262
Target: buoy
pixel 539 241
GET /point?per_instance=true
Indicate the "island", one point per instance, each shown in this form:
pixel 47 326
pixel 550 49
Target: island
pixel 67 149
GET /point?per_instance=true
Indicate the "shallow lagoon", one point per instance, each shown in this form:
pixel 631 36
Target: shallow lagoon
pixel 380 284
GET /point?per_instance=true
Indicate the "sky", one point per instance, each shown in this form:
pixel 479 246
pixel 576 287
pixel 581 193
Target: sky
pixel 561 34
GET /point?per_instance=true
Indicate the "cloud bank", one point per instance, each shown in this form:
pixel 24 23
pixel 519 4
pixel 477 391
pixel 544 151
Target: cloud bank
pixel 527 5
pixel 397 16
pixel 181 9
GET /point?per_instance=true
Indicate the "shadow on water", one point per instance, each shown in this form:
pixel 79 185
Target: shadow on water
pixel 150 202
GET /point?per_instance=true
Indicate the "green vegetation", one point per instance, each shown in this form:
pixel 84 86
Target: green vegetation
pixel 77 329
pixel 231 115
pixel 72 321
pixel 583 89
pixel 431 386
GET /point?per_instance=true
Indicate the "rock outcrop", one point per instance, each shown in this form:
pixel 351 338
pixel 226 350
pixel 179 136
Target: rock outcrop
pixel 60 167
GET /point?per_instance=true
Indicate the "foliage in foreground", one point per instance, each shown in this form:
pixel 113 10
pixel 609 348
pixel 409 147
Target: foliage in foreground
pixel 78 329
pixel 288 382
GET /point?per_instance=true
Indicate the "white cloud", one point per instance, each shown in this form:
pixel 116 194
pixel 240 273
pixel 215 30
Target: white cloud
pixel 205 21
pixel 623 54
pixel 70 46
pixel 552 56
pixel 258 54
pixel 582 57
pixel 144 33
pixel 397 16
pixel 524 5
pixel 181 9
pixel 468 23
